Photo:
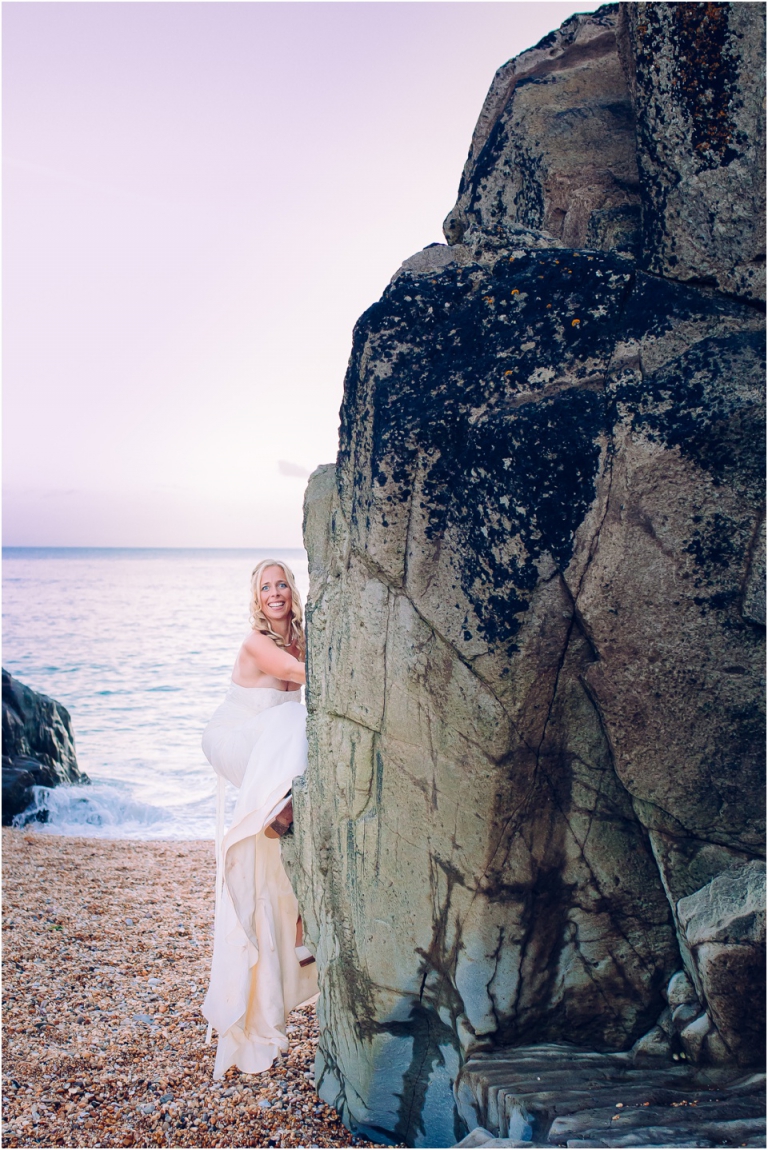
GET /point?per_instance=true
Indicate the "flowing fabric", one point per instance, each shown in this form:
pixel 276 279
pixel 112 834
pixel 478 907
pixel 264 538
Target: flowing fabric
pixel 257 740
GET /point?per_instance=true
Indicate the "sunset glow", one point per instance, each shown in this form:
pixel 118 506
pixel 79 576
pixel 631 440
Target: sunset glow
pixel 200 200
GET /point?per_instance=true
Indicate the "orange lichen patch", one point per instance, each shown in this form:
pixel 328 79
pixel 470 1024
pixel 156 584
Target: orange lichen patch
pixel 575 322
pixel 515 291
pixel 549 305
pixel 704 79
pixel 488 299
pixel 509 373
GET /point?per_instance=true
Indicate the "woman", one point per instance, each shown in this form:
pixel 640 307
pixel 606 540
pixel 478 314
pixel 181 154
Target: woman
pixel 256 740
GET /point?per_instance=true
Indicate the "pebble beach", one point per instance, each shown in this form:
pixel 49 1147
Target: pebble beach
pixel 106 950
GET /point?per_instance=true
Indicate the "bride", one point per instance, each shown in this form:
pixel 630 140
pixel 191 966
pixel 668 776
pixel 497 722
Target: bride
pixel 256 740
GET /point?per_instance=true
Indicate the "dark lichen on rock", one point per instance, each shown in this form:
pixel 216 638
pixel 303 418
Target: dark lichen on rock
pixel 490 381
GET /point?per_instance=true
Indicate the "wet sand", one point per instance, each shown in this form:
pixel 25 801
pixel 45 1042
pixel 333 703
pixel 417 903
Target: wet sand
pixel 107 947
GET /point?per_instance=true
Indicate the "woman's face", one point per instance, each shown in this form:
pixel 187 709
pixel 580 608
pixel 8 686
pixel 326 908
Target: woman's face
pixel 275 594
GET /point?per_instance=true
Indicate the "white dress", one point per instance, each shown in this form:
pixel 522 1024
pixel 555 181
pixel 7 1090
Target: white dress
pixel 257 740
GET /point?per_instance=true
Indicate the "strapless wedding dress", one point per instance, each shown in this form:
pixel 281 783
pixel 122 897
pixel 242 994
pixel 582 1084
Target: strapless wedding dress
pixel 256 740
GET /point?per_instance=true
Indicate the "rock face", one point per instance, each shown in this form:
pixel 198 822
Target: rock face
pixel 696 73
pixel 536 634
pixel 554 148
pixel 38 746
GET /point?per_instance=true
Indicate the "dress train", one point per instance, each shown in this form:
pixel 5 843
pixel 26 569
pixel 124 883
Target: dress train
pixel 256 740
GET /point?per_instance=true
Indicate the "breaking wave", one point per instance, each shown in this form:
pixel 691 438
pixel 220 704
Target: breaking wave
pixel 107 810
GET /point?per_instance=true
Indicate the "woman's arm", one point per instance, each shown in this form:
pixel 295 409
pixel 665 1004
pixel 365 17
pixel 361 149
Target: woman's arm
pixel 272 661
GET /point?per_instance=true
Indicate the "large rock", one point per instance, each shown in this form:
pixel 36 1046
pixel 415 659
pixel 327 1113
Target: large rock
pixel 38 746
pixel 535 643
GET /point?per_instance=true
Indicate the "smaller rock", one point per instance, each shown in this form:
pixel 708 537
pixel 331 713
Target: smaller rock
pixel 38 747
pixel 683 1015
pixel 665 1022
pixel 142 1018
pixel 680 990
pixel 693 1035
pixel 730 909
pixel 480 1137
pixel 652 1046
pixel 129 922
pixel 724 928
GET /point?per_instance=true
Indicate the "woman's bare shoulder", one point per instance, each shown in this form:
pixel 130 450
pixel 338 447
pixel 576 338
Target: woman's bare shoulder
pixel 256 642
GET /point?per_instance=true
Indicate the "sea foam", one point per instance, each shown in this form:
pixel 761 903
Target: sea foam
pixel 107 810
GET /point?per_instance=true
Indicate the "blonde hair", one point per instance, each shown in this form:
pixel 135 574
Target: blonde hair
pixel 258 619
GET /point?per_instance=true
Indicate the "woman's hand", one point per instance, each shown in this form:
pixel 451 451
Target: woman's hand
pixel 271 660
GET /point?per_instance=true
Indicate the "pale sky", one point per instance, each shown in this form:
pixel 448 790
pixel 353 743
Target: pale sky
pixel 199 200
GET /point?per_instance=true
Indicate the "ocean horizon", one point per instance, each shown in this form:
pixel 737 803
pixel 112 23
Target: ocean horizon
pixel 138 644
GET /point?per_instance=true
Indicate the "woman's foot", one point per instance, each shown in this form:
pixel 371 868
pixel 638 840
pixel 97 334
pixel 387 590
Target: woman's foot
pixel 305 956
pixel 280 820
pixel 303 953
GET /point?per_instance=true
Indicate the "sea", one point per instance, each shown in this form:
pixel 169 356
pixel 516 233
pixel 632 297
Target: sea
pixel 138 645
